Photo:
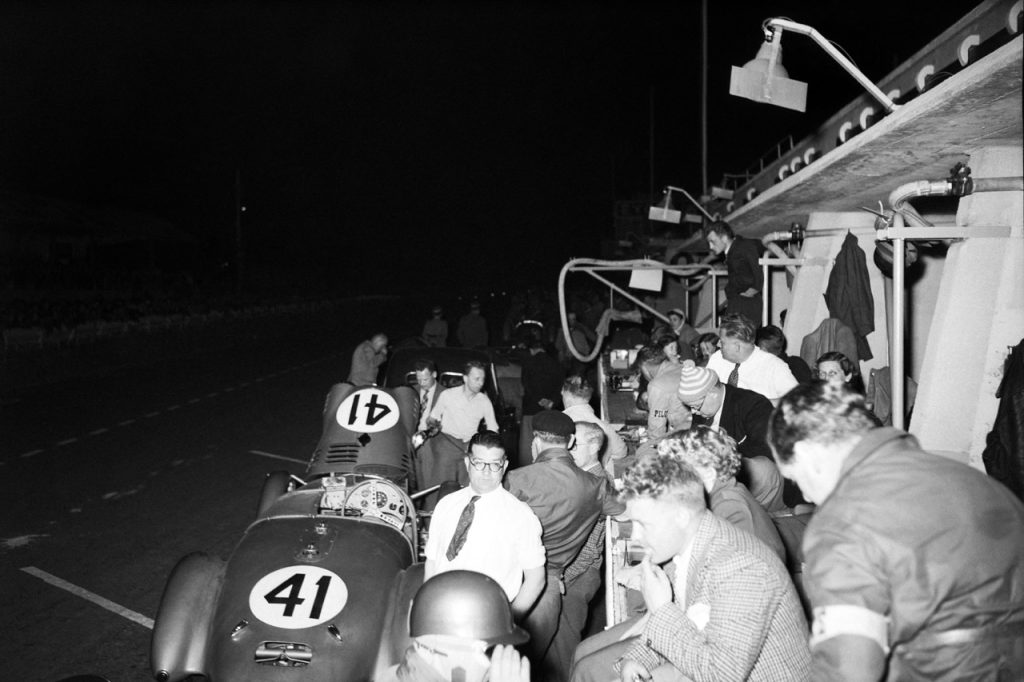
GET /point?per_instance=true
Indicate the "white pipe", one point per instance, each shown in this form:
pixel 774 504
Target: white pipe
pixel 896 349
pixel 629 264
pixel 850 68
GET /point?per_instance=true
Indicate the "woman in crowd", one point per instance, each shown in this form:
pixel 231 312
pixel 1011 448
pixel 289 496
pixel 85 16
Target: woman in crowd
pixel 835 368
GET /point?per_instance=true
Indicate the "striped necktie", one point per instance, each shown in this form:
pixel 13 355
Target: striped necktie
pixel 734 375
pixel 461 529
pixel 424 401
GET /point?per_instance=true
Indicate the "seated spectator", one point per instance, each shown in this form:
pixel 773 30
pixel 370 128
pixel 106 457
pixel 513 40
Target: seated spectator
pixel 576 395
pixel 665 412
pixel 713 456
pixel 669 344
pixel 720 605
pixel 835 368
pixel 683 330
pixel 744 416
pixel 740 363
pixel 772 340
pixel 703 348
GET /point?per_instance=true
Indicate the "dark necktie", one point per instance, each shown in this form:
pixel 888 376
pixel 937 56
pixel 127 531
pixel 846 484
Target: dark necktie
pixel 424 401
pixel 461 530
pixel 734 375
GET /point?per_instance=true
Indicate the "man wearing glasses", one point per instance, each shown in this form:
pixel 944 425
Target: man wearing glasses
pixel 485 528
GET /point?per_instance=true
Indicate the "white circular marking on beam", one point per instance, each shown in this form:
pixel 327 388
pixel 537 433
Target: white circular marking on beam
pixel 866 113
pixel 922 76
pixel 809 155
pixel 1013 16
pixel 963 52
pixel 844 130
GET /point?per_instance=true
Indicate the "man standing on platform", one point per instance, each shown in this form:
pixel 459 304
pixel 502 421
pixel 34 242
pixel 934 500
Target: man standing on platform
pixel 914 563
pixel 567 501
pixel 366 359
pixel 746 279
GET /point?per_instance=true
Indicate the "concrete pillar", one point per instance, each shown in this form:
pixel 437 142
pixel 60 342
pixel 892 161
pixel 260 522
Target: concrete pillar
pixel 979 316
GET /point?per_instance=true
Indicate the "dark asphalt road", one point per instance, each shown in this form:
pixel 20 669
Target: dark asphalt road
pixel 111 480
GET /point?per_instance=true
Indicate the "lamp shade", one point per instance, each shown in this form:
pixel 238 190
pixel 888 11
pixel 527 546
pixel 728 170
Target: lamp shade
pixel 754 82
pixel 760 62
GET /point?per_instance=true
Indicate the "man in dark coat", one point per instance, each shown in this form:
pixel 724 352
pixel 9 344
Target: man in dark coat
pixel 746 279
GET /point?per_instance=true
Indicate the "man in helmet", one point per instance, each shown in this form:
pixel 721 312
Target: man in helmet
pixel 455 618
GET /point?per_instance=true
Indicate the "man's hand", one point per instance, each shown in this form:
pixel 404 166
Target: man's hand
pixel 631 671
pixel 546 403
pixel 508 666
pixel 656 587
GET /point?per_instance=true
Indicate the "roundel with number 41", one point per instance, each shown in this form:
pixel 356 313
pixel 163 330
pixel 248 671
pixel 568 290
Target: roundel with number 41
pixel 298 597
pixel 368 410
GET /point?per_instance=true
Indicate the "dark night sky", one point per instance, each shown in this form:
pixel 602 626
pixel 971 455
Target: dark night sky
pixel 468 142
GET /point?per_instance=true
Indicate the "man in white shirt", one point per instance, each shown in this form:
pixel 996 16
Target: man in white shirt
pixel 459 409
pixel 576 395
pixel 454 420
pixel 740 363
pixel 502 537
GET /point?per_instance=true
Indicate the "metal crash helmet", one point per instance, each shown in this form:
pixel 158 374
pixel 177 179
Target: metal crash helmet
pixel 464 604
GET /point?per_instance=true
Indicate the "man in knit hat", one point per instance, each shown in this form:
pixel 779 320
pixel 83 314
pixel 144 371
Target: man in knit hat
pixel 744 416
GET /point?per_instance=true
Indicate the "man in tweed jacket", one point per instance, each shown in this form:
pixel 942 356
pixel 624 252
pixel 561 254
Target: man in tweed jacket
pixel 723 608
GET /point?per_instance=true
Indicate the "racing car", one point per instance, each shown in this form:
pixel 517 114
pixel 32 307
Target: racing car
pixel 323 578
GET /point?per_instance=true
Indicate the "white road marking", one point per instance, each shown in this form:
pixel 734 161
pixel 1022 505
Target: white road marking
pixel 30 453
pixel 89 596
pixel 20 541
pixel 67 441
pixel 194 401
pixel 273 456
pixel 172 408
pixel 126 422
pixel 97 432
pixel 150 415
pixel 212 395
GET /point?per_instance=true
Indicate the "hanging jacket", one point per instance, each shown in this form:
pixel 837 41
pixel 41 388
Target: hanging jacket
pixel 848 295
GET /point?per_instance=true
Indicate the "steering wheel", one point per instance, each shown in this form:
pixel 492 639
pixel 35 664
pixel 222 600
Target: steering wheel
pixel 379 499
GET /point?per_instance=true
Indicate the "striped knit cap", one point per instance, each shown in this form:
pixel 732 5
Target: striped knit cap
pixel 694 382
